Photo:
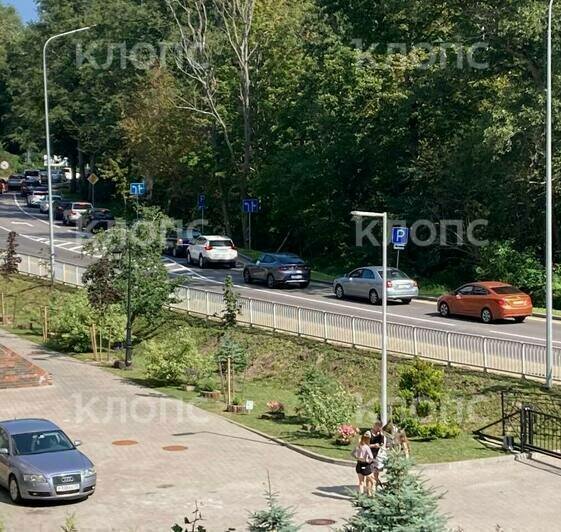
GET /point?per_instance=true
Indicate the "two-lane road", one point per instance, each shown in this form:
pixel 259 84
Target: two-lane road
pixel 33 231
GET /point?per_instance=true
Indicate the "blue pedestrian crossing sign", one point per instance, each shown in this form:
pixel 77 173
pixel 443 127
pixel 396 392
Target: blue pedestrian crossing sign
pixel 201 203
pixel 400 237
pixel 138 189
pixel 251 205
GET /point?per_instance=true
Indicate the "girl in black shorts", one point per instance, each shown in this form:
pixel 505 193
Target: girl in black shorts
pixel 364 460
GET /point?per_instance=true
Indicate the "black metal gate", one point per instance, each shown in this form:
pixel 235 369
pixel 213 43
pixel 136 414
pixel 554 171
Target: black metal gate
pixel 526 428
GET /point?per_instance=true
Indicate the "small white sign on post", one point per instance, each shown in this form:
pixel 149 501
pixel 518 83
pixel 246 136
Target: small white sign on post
pixel 249 406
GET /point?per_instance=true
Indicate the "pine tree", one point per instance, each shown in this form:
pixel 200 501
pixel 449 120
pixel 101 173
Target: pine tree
pixel 274 519
pixel 404 504
pixel 10 257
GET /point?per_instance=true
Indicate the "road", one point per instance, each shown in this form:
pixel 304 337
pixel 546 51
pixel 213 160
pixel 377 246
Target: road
pixel 33 228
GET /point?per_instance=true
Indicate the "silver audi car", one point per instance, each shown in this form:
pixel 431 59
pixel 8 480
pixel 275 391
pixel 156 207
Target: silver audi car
pixel 38 461
pixel 367 283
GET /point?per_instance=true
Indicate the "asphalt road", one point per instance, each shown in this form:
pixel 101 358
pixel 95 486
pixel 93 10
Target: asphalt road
pixel 33 230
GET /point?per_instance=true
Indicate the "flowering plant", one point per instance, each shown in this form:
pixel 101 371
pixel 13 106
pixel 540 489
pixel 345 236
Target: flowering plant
pixel 275 407
pixel 345 433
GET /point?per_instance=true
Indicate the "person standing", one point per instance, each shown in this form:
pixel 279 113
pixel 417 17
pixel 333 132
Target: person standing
pixel 364 460
pixel 402 443
pixel 377 442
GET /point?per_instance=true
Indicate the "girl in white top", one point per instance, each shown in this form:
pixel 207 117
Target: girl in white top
pixel 364 460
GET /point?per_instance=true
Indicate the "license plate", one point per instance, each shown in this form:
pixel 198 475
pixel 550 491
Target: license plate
pixel 297 276
pixel 67 487
pixel 518 302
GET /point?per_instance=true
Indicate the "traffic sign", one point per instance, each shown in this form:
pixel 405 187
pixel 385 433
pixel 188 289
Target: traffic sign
pixel 93 179
pixel 202 201
pixel 251 205
pixel 138 189
pixel 4 165
pixel 400 237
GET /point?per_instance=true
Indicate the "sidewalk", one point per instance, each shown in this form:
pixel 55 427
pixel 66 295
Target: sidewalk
pixel 145 488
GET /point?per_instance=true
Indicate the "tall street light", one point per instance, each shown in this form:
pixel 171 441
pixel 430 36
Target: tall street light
pixel 549 213
pixel 384 369
pixel 48 137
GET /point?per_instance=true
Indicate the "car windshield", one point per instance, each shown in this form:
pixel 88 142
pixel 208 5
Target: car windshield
pixel 32 173
pixel 286 259
pixel 189 233
pixel 393 274
pixel 50 441
pixel 221 243
pixel 505 290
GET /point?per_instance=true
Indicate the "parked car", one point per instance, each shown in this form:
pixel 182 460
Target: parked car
pixel 488 301
pixel 74 212
pixel 39 461
pixel 29 185
pixel 15 181
pixel 276 269
pixel 178 240
pixel 206 250
pixel 44 203
pixel 367 283
pixel 95 220
pixel 59 206
pixel 32 176
pixel 36 195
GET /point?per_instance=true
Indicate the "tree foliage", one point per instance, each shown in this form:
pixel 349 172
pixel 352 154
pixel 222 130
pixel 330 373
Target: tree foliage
pixel 10 258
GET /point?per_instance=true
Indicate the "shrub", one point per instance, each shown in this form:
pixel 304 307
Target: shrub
pixel 423 408
pixel 208 384
pixel 231 349
pixel 421 381
pixel 324 404
pixel 345 433
pixel 71 318
pixel 175 358
pixel 404 505
pixel 500 261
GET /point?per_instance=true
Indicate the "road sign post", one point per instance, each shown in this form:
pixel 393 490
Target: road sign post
pixel 250 206
pixel 93 179
pixel 400 237
pixel 201 205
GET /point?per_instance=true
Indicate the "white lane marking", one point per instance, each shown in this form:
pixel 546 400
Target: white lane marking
pixel 312 301
pixel 23 223
pixel 523 336
pixel 27 213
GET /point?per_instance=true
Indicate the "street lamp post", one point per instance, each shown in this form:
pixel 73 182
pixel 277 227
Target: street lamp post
pixel 549 212
pixel 384 368
pixel 48 139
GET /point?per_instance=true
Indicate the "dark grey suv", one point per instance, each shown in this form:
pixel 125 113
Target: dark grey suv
pixel 277 269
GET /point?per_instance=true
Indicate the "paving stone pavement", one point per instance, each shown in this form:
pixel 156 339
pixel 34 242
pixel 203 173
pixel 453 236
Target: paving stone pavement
pixel 145 488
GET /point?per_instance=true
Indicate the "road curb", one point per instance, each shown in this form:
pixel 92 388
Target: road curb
pixel 442 466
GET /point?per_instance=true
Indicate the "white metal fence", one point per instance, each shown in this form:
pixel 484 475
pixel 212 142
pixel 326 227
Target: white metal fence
pixel 517 358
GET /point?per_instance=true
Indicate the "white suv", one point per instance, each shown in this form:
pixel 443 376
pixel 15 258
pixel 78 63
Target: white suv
pixel 73 214
pixel 207 250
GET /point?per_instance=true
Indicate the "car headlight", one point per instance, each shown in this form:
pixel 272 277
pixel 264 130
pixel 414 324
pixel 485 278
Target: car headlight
pixel 34 478
pixel 90 472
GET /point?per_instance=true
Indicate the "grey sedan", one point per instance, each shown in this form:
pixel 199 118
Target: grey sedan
pixel 278 269
pixel 367 283
pixel 38 461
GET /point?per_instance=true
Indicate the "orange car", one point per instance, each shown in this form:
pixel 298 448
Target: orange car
pixel 487 300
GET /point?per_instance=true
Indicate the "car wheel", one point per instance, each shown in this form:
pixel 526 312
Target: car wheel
pixel 374 297
pixel 339 292
pixel 444 310
pixel 202 262
pixel 270 281
pixel 174 252
pixel 247 277
pixel 406 301
pixel 189 259
pixel 304 285
pixel 519 319
pixel 15 495
pixel 486 316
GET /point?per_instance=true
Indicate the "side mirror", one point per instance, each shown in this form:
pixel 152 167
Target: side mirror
pixel 4 451
pixel 77 443
pixel 347 275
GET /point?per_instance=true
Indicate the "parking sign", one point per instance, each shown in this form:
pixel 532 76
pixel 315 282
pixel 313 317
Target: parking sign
pixel 400 236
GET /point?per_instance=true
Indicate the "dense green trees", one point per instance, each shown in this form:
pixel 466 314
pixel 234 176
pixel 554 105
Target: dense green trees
pixel 431 110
